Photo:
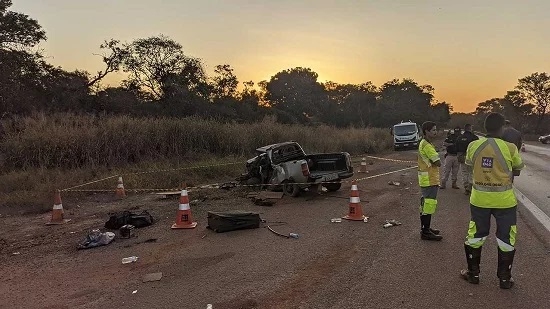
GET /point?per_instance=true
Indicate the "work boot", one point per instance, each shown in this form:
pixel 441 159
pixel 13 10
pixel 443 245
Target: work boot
pixel 504 269
pixel 442 186
pixel 454 186
pixel 429 235
pixel 435 231
pixel 473 258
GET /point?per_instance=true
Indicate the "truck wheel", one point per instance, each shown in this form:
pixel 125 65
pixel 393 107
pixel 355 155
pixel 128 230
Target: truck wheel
pixel 291 189
pixel 333 186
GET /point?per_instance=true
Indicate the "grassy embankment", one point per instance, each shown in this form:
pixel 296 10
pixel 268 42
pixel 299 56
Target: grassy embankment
pixel 48 152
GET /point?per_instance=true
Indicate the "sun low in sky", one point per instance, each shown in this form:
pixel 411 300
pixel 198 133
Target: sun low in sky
pixel 469 51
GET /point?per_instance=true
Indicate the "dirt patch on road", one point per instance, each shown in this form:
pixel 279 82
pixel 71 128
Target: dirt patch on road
pixel 241 269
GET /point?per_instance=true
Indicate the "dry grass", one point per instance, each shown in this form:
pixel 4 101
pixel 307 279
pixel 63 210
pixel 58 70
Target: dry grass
pixel 43 153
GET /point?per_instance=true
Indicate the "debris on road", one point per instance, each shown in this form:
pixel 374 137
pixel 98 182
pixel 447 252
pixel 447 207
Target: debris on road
pixel 290 235
pixel 152 277
pixel 336 220
pixel 394 183
pixel 130 259
pixel 127 231
pixel 390 223
pixel 95 239
pixel 265 198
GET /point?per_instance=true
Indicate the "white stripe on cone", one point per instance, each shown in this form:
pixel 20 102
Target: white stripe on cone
pixel 184 207
pixel 58 206
pixel 184 192
pixel 354 199
pixel 354 187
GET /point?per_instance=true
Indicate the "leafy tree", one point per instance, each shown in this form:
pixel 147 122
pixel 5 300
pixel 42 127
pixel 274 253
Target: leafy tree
pixel 350 104
pixel 113 60
pixel 536 90
pixel 158 63
pixel 403 100
pixel 296 92
pixel 18 30
pixel 224 82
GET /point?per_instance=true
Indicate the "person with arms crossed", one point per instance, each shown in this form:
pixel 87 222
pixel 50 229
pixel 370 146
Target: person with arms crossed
pixel 428 180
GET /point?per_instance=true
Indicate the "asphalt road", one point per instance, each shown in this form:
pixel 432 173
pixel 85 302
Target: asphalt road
pixel 533 184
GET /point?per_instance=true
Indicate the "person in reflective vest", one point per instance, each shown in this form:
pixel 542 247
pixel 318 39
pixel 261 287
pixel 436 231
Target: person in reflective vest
pixel 494 162
pixel 428 179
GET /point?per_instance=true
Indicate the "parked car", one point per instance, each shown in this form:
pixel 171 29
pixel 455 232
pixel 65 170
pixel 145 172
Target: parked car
pixel 545 139
pixel 286 166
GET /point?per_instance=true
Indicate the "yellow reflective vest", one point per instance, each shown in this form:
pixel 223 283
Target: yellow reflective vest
pixel 428 173
pixel 492 161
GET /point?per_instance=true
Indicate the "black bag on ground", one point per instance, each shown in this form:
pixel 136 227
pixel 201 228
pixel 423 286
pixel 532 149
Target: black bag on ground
pixel 117 220
pixel 232 220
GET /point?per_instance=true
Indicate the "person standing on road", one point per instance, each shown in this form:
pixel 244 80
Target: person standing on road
pixel 493 163
pixel 462 143
pixel 511 135
pixel 428 179
pixel 451 166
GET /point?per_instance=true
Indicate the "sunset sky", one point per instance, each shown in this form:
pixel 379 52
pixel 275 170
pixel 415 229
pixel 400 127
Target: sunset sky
pixel 469 51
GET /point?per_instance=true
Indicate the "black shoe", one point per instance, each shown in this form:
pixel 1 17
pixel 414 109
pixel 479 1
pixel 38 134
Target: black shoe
pixel 504 268
pixel 506 283
pixel 435 231
pixel 430 236
pixel 469 276
pixel 473 258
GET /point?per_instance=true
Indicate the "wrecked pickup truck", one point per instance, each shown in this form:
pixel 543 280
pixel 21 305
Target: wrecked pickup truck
pixel 286 166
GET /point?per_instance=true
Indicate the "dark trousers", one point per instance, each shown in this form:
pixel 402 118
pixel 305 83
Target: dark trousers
pixel 480 224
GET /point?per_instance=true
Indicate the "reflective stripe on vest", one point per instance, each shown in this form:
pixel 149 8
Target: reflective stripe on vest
pixel 501 161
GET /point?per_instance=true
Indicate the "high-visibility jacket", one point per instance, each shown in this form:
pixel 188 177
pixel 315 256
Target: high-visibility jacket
pixel 492 161
pixel 428 173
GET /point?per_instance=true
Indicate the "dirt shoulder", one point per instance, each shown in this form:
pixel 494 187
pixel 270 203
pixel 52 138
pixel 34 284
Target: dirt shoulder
pixel 331 265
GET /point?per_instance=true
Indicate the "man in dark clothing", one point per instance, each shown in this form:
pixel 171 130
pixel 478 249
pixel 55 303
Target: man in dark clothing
pixel 462 143
pixel 451 162
pixel 511 135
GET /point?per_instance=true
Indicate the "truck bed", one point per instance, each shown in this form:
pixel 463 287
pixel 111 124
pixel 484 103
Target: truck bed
pixel 328 163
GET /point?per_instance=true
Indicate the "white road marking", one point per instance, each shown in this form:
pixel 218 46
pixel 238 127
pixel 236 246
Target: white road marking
pixel 539 214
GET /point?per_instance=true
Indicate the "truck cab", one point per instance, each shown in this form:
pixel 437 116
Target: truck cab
pixel 406 135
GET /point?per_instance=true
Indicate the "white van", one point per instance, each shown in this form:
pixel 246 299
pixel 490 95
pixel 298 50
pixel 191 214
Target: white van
pixel 406 135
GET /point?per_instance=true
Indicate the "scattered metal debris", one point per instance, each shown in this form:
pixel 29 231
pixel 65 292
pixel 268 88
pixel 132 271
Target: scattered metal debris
pixel 130 259
pixel 390 223
pixel 290 235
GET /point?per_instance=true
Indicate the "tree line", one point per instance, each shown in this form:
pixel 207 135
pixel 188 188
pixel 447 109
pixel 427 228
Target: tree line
pixel 161 80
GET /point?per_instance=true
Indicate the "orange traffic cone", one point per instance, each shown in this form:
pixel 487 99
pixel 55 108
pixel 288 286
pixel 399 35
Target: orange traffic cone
pixel 57 212
pixel 363 166
pixel 184 220
pixel 355 211
pixel 522 147
pixel 120 193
